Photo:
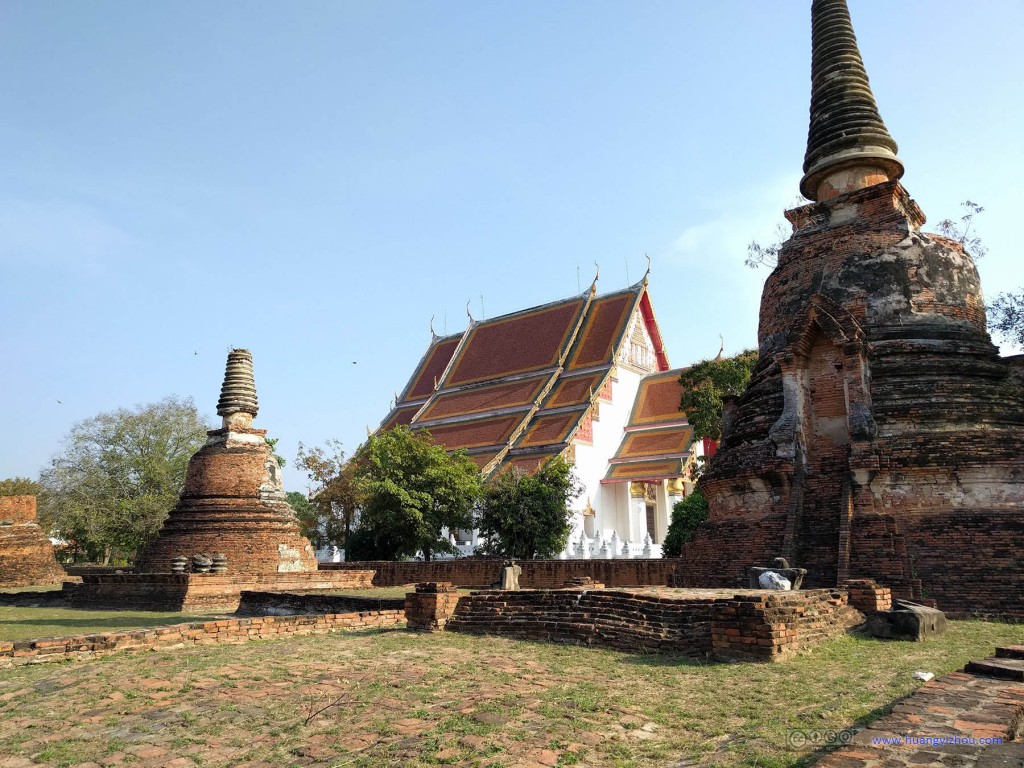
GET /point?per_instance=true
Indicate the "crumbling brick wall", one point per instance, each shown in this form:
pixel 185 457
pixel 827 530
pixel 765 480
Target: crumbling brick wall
pixel 537 574
pixel 26 554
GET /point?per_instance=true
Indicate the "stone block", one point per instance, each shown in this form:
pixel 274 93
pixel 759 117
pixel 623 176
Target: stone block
pixel 907 621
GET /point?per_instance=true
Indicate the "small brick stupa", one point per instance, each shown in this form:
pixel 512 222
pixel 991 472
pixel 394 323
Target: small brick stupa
pixel 881 436
pixel 26 554
pixel 233 502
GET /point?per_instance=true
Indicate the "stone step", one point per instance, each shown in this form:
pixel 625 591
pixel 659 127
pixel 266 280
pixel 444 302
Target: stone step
pixel 1006 669
pixel 1010 652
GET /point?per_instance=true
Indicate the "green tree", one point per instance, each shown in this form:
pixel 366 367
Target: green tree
pixel 335 498
pixel 1006 317
pixel 526 516
pixel 304 512
pixel 410 488
pixel 687 515
pixel 118 475
pixel 706 383
pixel 20 486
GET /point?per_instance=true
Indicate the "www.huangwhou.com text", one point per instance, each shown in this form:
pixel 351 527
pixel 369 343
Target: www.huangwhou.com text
pixel 799 738
pixel 935 741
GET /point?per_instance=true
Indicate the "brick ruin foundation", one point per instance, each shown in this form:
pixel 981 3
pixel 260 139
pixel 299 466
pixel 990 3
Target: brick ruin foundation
pixel 483 572
pixel 881 435
pixel 725 624
pixel 26 554
pixel 197 592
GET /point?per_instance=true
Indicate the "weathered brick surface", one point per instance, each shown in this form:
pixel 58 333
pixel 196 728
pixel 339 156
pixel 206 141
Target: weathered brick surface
pixel 881 435
pixel 751 625
pixel 775 626
pixel 621 620
pixel 26 554
pixel 481 572
pixel 225 507
pixel 82 647
pixel 431 606
pixel 262 603
pixel 867 596
pixel 198 591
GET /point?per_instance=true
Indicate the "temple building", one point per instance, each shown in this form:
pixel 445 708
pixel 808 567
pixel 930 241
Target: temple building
pixel 586 378
pixel 881 435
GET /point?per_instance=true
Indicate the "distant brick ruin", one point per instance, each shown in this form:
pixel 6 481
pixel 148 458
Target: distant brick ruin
pixel 233 501
pixel 881 435
pixel 26 554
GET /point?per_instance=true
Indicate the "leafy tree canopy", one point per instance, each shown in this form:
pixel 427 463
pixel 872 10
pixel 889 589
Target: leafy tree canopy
pixel 19 486
pixel 332 510
pixel 527 516
pixel 118 475
pixel 1006 317
pixel 687 515
pixel 706 383
pixel 410 488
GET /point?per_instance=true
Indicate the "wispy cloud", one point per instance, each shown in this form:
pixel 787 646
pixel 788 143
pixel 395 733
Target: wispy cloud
pixel 57 232
pixel 748 214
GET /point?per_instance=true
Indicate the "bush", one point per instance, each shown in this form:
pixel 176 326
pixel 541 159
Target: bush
pixel 687 515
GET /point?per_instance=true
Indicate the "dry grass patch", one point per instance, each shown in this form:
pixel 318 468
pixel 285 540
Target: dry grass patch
pixel 447 699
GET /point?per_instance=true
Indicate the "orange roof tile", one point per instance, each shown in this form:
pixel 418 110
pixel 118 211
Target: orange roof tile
pixel 400 417
pixel 573 391
pixel 526 341
pixel 491 397
pixel 606 322
pixel 547 429
pixel 656 442
pixel 477 433
pixel 530 462
pixel 431 367
pixel 644 470
pixel 657 400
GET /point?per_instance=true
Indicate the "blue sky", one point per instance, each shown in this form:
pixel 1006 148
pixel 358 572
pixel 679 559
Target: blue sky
pixel 315 180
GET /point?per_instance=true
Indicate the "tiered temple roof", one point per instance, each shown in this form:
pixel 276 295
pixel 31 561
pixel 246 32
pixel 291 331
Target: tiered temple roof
pixel 514 390
pixel 658 439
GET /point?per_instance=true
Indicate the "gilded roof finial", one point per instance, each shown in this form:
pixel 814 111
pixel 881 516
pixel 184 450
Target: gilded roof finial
pixel 721 349
pixel 597 276
pixel 238 404
pixel 467 311
pixel 647 274
pixel 433 333
pixel 848 145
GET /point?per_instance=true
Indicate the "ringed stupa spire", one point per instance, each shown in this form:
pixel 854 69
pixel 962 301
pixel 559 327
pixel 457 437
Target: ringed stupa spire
pixel 238 404
pixel 848 145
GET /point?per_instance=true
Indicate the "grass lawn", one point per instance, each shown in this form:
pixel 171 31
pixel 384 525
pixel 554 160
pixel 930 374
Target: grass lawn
pixel 21 623
pixel 391 697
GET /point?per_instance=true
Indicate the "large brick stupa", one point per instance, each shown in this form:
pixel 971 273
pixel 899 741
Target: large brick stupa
pixel 233 501
pixel 881 435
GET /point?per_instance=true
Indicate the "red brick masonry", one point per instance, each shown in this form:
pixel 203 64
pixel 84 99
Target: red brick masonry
pixel 26 554
pixel 199 591
pixel 185 635
pixel 537 574
pixel 751 625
